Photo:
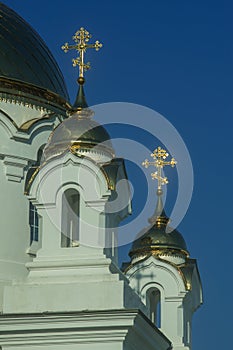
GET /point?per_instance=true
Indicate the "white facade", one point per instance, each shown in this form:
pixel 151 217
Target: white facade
pixel 61 287
pixel 68 289
pixel 77 286
pixel 18 151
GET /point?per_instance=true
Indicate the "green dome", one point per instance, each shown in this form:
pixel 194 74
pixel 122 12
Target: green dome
pixel 27 67
pixel 156 237
pixel 77 132
pixel 83 130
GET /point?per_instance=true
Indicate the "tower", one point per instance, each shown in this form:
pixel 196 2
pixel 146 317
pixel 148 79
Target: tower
pixel 61 287
pixel 70 292
pixel 161 271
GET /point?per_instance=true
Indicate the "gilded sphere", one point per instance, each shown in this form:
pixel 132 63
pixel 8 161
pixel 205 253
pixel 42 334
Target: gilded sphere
pixel 81 80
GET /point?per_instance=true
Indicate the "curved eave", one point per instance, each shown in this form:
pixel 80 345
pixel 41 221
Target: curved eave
pixel 18 92
pixel 34 170
pixel 182 269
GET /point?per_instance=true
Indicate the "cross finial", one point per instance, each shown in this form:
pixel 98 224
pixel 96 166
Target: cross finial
pixel 81 38
pixel 159 155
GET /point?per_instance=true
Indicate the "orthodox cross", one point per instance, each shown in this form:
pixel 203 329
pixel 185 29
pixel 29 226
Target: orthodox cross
pixel 81 37
pixel 159 155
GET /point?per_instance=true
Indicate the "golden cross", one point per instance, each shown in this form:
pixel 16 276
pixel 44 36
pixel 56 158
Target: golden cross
pixel 159 155
pixel 81 37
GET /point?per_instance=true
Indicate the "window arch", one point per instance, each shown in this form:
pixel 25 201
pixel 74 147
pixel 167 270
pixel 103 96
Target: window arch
pixel 33 215
pixel 153 301
pixel 70 218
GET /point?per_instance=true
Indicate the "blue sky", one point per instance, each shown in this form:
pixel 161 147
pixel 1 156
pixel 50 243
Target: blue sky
pixel 175 57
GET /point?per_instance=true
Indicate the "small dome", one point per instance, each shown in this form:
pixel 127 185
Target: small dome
pixel 169 246
pixel 80 135
pixel 28 71
pixel 159 239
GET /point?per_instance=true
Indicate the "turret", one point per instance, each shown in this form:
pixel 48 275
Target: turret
pixel 161 270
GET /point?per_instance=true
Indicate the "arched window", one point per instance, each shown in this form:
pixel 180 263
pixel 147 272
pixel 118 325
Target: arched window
pixel 153 298
pixel 70 218
pixel 33 223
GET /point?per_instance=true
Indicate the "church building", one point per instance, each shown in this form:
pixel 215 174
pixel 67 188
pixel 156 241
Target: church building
pixel 60 284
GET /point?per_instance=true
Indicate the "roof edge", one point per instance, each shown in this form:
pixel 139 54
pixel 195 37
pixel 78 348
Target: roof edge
pixel 18 92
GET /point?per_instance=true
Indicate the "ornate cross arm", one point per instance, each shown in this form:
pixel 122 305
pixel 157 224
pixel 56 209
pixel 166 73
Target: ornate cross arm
pixel 159 155
pixel 81 37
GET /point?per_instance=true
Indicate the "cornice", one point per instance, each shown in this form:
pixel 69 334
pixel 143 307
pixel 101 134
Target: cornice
pixel 18 92
pixel 77 328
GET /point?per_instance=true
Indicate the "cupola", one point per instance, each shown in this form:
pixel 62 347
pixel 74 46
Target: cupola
pixel 80 134
pixel 159 239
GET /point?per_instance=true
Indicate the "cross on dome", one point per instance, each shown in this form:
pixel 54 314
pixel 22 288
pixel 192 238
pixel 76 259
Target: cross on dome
pixel 81 38
pixel 159 155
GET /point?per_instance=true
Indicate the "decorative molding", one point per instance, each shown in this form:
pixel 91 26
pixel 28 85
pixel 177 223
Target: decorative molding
pixel 29 95
pixel 14 167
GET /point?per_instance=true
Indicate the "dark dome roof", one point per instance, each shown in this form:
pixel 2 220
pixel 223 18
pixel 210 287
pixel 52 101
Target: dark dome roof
pixel 25 58
pixel 156 237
